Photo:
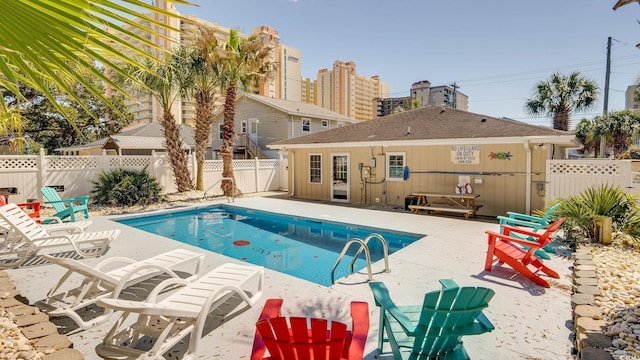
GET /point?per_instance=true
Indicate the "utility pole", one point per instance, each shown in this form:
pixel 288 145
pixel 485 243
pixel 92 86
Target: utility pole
pixel 605 107
pixel 455 99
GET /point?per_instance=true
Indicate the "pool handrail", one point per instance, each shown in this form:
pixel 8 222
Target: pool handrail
pixel 385 249
pixel 367 255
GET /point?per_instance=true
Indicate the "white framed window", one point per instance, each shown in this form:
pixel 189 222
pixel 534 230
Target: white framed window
pixel 315 168
pixel 243 127
pixel 325 123
pixel 306 125
pixel 220 131
pixel 395 166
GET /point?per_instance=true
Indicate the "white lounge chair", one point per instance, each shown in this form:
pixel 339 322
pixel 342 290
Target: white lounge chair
pixel 166 322
pixel 56 225
pixel 97 282
pixel 27 238
pixel 7 240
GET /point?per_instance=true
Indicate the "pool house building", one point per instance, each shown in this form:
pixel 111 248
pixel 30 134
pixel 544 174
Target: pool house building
pixel 431 149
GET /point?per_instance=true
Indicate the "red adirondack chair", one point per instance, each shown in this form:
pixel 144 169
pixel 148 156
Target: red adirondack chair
pixel 31 208
pixel 507 250
pixel 298 341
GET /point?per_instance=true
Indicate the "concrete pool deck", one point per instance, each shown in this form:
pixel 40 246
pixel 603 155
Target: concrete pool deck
pixel 531 322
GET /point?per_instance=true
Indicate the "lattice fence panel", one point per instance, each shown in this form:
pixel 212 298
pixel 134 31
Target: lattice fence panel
pixel 244 164
pixel 269 163
pixel 72 162
pixel 18 163
pixel 584 169
pixel 136 162
pixel 212 165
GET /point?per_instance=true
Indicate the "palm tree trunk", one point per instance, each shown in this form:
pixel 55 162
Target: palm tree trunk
pixel 204 121
pixel 561 119
pixel 228 134
pixel 178 157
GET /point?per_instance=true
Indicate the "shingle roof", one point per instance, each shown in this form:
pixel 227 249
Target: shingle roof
pixel 154 129
pixel 299 108
pixel 425 124
pixel 147 136
pixel 141 142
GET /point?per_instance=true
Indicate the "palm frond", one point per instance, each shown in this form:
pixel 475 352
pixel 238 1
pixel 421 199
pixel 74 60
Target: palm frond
pixel 46 41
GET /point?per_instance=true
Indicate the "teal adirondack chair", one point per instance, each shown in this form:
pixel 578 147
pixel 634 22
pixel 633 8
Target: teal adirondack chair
pixel 66 208
pixel 535 223
pixel 434 329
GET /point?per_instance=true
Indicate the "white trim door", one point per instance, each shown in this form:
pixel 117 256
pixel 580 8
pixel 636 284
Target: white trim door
pixel 341 177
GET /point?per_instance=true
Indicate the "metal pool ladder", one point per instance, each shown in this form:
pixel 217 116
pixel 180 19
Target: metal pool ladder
pixel 363 247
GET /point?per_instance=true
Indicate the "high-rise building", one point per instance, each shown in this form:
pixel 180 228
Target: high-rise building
pixel 284 85
pixel 343 91
pixel 630 102
pixel 449 96
pixel 423 94
pixel 446 95
pixel 388 106
pixel 309 91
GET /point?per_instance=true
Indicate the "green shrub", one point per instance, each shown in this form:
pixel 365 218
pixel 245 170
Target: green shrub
pixel 122 187
pixel 604 200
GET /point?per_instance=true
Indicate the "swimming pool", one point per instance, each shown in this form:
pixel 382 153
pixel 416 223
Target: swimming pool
pixel 303 247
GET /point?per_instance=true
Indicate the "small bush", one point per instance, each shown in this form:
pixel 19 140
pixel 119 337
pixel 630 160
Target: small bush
pixel 605 200
pixel 123 187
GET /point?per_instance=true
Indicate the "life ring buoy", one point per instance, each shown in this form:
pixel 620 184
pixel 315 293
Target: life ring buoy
pixel 463 189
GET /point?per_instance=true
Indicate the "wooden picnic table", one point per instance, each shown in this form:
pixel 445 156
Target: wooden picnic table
pixel 454 203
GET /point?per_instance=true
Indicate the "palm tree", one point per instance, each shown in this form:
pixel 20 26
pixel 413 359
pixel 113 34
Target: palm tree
pixel 237 64
pixel 590 139
pixel 165 82
pixel 620 126
pixel 203 91
pixel 42 38
pixel 561 95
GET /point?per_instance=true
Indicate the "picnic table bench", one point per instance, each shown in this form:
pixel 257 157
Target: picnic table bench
pixel 453 203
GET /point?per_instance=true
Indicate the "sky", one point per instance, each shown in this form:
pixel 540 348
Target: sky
pixel 495 50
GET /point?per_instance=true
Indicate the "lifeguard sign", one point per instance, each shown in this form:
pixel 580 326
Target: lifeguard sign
pixel 465 154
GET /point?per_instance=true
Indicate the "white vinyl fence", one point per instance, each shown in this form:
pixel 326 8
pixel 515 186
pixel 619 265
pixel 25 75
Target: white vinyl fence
pixel 72 175
pixel 571 177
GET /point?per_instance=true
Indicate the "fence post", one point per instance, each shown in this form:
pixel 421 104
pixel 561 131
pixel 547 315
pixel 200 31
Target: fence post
pixel 41 165
pixel 194 167
pixel 104 161
pixel 257 163
pixel 152 168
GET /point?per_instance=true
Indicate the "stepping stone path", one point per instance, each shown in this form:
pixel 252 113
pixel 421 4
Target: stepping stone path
pixel 606 302
pixel 26 333
pixel 591 342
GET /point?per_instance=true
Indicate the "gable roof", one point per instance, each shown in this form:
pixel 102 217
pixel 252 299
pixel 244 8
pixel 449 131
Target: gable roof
pixel 140 142
pixel 154 130
pixel 296 108
pixel 430 125
pixel 139 136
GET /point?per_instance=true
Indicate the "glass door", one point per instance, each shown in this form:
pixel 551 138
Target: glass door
pixel 340 186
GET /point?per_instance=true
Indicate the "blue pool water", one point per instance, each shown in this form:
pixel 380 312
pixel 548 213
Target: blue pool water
pixel 302 247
